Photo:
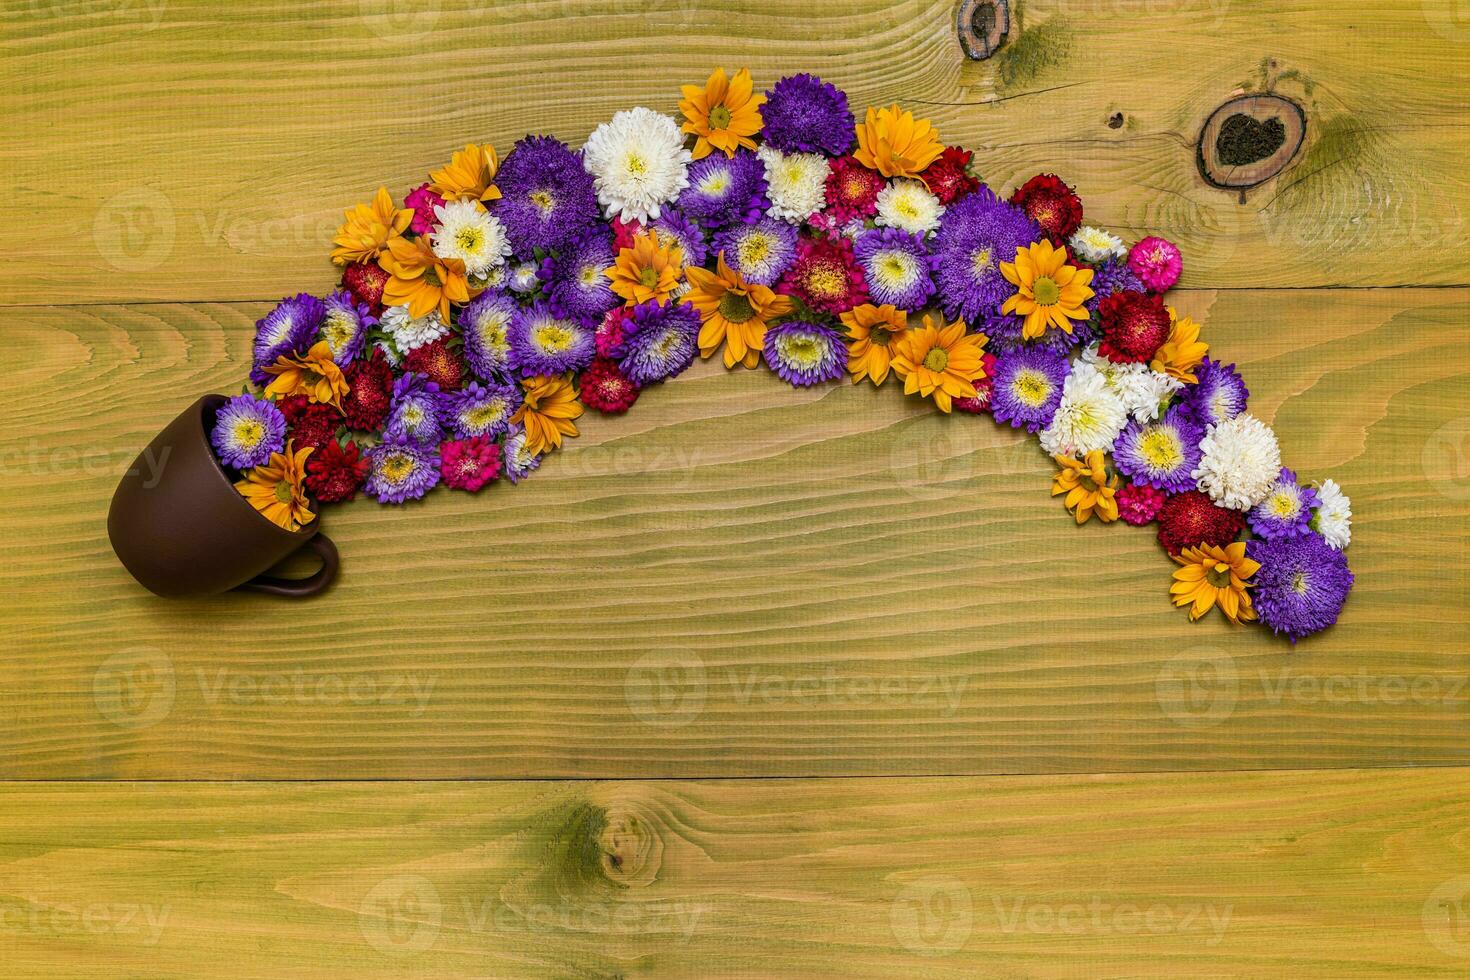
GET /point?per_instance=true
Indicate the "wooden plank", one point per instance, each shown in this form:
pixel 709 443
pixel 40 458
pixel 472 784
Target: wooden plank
pixel 1340 874
pixel 739 579
pixel 205 151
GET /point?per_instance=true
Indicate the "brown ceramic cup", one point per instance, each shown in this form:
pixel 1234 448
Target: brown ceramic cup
pixel 181 528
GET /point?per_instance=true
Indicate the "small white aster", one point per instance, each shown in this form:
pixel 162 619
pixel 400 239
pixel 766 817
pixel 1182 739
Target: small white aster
pixel 471 234
pixel 797 183
pixel 1334 517
pixel 524 278
pixel 638 163
pixel 1142 389
pixel 496 277
pixel 909 205
pixel 1095 245
pixel 1241 462
pixel 1090 415
pixel 409 334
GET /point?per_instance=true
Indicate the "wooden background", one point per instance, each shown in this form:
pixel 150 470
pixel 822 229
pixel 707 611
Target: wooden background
pixel 750 682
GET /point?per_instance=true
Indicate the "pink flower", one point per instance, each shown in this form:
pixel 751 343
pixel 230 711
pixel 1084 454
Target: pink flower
pixel 423 201
pixel 624 232
pixel 1156 262
pixel 609 333
pixel 1139 505
pixel 469 464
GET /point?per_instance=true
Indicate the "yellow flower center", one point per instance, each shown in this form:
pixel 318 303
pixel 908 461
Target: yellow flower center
pixel 484 416
pixel 397 468
pixel 283 492
pixel 1299 583
pixel 826 280
pixel 589 274
pixel 754 249
pixel 937 359
pixel 892 269
pixel 413 415
pixel 470 239
pixel 553 338
pixel 716 184
pixel 735 308
pixel 1218 575
pixel 1283 505
pixel 635 165
pixel 248 433
pixel 980 262
pixel 801 352
pixel 906 208
pixel 1031 388
pixel 1162 450
pixel 544 202
pixel 665 345
pixel 1046 291
pixel 648 276
pixel 719 117
pixel 879 336
pixel 337 331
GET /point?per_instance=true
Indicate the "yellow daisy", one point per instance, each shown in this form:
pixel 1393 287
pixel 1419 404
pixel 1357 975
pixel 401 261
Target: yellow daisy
pixel 369 228
pixel 895 144
pixel 1212 575
pixel 876 332
pixel 1182 352
pixel 939 361
pixel 735 312
pixel 723 115
pixel 548 410
pixel 648 270
pixel 1087 486
pixel 470 175
pixel 1049 292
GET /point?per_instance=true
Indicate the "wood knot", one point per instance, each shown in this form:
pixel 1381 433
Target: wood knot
pixel 1250 139
pixel 982 26
pixel 632 848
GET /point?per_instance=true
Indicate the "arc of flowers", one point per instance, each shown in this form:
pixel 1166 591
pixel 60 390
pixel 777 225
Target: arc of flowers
pixel 476 322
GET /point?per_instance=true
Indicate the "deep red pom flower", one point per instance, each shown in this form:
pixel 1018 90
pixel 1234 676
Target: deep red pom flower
pixel 335 472
pixel 1049 202
pixel 852 191
pixel 365 283
pixel 981 402
pixel 947 178
pixel 1139 505
pixel 606 389
pixel 443 366
pixel 423 201
pixel 610 332
pixel 825 276
pixel 1134 326
pixel 369 392
pixel 309 424
pixel 469 464
pixel 1189 519
pixel 623 233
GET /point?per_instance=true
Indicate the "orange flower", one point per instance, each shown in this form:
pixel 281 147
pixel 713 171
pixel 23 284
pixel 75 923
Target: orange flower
pixel 647 270
pixel 547 413
pixel 735 312
pixel 278 489
pixel 893 143
pixel 724 115
pixel 941 361
pixel 1088 489
pixel 1049 292
pixel 1213 575
pixel 470 175
pixel 876 332
pixel 369 228
pixel 1182 352
pixel 421 279
pixel 316 376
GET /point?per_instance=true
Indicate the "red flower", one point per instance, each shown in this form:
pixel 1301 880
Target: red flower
pixel 983 387
pixel 1051 204
pixel 948 177
pixel 443 366
pixel 423 201
pixel 310 424
pixel 334 472
pixel 825 276
pixel 852 191
pixel 365 283
pixel 609 334
pixel 623 233
pixel 1139 505
pixel 606 389
pixel 1134 326
pixel 469 464
pixel 1191 518
pixel 369 392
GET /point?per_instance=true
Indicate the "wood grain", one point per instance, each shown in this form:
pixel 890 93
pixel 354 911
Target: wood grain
pixel 191 150
pixel 739 579
pixel 1340 874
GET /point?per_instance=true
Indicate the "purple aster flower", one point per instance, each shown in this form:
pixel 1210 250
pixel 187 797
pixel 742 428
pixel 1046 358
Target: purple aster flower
pixel 246 431
pixel 659 341
pixel 416 411
pixel 401 471
pixel 485 322
pixel 804 354
pixel 1027 386
pixel 724 189
pixel 1110 277
pixel 1287 510
pixel 1301 585
pixel 1219 396
pixel 976 234
pixel 547 198
pixel 345 326
pixel 897 266
pixel 541 342
pixel 578 286
pixel 289 328
pixel 478 410
pixel 803 113
pixel 518 461
pixel 1160 454
pixel 761 251
pixel 675 227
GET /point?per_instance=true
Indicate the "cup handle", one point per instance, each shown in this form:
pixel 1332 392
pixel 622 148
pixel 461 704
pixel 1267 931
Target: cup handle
pixel 300 588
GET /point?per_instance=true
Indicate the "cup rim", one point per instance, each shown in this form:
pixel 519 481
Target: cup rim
pixel 209 403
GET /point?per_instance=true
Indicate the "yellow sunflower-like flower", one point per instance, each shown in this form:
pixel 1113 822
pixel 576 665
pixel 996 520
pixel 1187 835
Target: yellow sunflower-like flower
pixel 895 144
pixel 723 115
pixel 422 280
pixel 876 332
pixel 369 228
pixel 735 312
pixel 1049 291
pixel 278 488
pixel 648 270
pixel 315 375
pixel 1087 486
pixel 548 410
pixel 1182 352
pixel 470 175
pixel 939 361
pixel 1212 575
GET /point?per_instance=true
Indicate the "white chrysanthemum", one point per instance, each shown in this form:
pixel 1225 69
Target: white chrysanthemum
pixel 1142 389
pixel 409 334
pixel 389 354
pixel 1090 415
pixel 1241 462
pixel 909 205
pixel 1334 517
pixel 495 277
pixel 471 234
pixel 525 277
pixel 638 163
pixel 1095 245
pixel 796 183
